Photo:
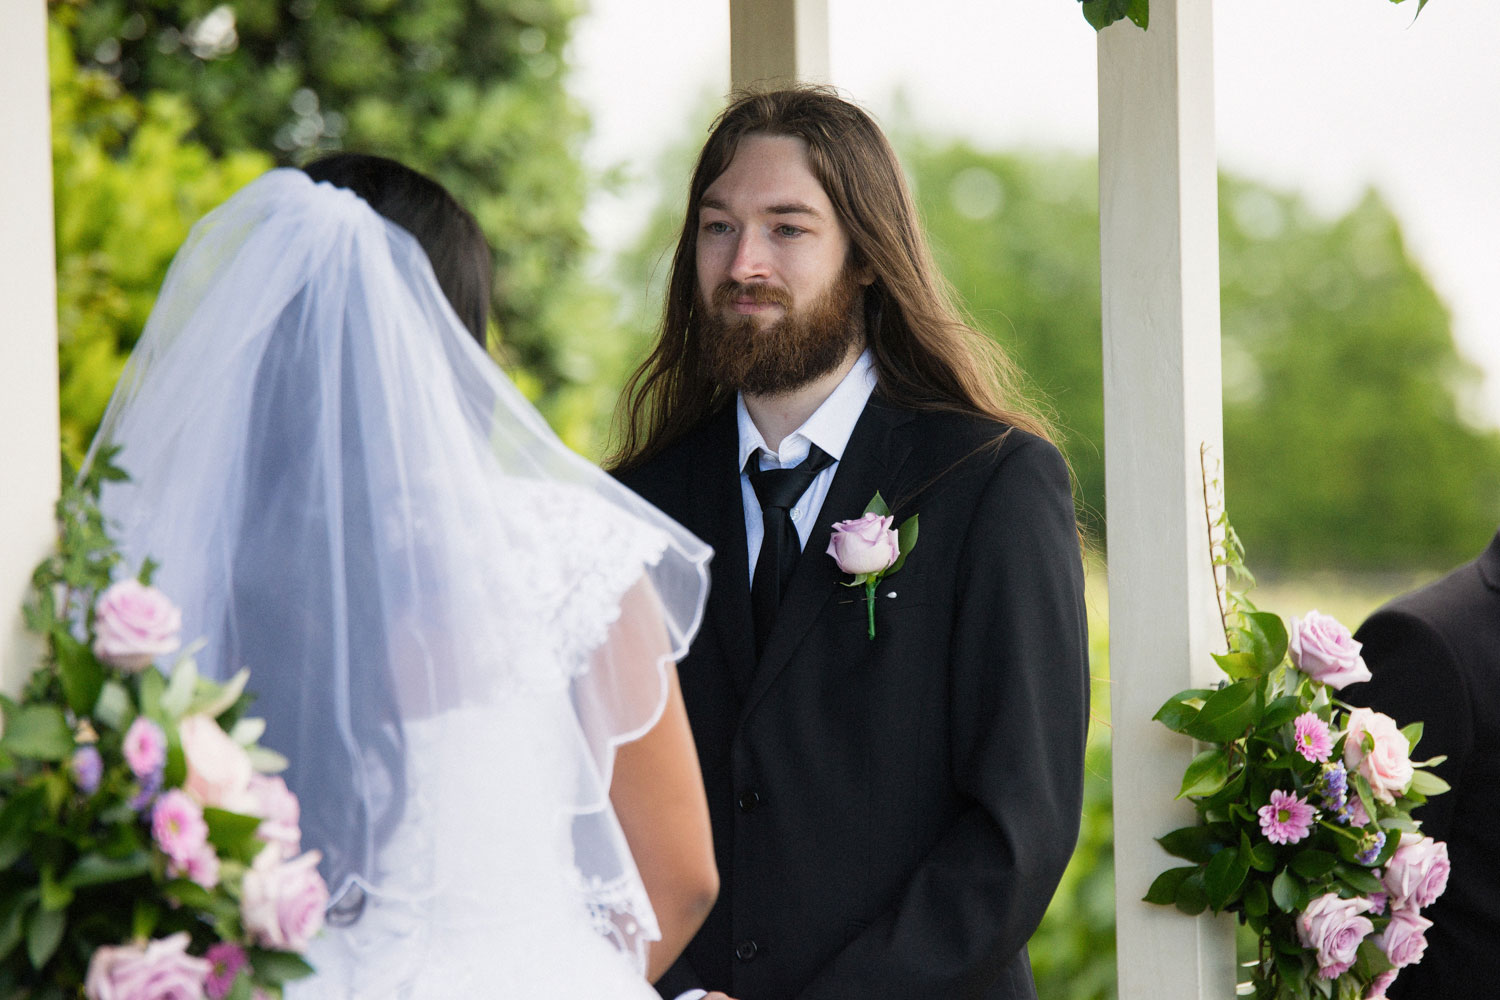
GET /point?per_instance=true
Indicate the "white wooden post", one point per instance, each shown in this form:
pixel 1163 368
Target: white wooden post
pixel 1160 271
pixel 28 325
pixel 785 40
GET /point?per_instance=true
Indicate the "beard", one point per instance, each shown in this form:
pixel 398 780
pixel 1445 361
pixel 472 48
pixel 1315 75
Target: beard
pixel 801 346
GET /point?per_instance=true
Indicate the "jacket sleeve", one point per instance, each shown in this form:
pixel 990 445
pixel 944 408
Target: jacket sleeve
pixel 1018 728
pixel 678 980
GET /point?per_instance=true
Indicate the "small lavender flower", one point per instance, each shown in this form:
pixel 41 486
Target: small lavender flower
pixel 1333 786
pixel 87 768
pixel 144 799
pixel 1367 857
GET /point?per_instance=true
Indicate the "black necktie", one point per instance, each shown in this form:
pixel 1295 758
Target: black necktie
pixel 777 490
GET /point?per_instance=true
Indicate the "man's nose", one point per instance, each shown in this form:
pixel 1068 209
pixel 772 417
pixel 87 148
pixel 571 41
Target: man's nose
pixel 750 258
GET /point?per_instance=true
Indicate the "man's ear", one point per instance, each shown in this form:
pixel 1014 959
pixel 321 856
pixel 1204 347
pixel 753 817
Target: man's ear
pixel 863 272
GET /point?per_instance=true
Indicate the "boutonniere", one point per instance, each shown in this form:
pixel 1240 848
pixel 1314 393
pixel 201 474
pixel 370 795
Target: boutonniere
pixel 871 549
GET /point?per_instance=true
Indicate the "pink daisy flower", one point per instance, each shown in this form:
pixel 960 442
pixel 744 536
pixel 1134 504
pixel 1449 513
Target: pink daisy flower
pixel 1312 738
pixel 145 747
pixel 178 827
pixel 1286 819
pixel 228 959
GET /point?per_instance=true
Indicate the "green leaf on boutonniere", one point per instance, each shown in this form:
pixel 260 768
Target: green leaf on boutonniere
pixel 906 540
pixel 877 506
pixel 1206 774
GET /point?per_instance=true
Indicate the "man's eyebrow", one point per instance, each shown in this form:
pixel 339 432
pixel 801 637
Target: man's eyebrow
pixel 787 208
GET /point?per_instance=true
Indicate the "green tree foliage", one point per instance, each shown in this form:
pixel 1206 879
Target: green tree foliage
pixel 128 185
pixel 469 91
pixel 1344 441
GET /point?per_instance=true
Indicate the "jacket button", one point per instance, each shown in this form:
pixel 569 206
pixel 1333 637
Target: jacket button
pixel 749 801
pixel 746 951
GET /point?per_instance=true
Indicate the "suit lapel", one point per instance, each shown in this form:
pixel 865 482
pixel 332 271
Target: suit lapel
pixel 716 486
pixel 872 460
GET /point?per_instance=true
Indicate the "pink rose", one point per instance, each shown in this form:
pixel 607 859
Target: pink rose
pixel 145 747
pixel 1417 873
pixel 280 812
pixel 159 970
pixel 1380 984
pixel 134 624
pixel 1334 928
pixel 177 826
pixel 1376 749
pixel 283 901
pixel 218 769
pixel 1325 651
pixel 1403 940
pixel 864 546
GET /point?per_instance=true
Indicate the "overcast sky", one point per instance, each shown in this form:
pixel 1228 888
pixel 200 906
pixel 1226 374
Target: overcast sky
pixel 1325 97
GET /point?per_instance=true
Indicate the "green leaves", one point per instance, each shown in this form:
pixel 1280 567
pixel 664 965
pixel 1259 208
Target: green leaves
pixel 1226 714
pixel 1102 13
pixel 37 732
pixel 1206 774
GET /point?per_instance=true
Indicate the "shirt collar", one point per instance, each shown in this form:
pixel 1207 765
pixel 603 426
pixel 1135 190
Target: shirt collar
pixel 829 427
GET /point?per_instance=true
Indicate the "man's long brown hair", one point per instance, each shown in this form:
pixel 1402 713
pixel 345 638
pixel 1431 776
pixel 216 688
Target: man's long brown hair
pixel 926 356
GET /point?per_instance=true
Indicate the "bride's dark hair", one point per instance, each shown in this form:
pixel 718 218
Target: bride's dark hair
pixel 449 234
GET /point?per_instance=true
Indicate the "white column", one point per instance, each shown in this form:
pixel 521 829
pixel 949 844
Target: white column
pixel 785 40
pixel 28 325
pixel 1160 268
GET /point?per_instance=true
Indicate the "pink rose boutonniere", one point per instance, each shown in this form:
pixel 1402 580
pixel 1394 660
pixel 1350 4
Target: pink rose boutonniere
pixel 870 549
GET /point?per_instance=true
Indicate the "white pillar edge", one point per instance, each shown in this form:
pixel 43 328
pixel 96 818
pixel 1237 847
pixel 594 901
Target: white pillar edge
pixel 1160 285
pixel 28 329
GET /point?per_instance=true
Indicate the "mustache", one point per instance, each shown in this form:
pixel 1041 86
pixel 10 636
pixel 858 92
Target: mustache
pixel 760 294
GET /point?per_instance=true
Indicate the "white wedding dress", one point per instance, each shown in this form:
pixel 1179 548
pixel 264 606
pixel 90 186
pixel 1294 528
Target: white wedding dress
pixel 451 621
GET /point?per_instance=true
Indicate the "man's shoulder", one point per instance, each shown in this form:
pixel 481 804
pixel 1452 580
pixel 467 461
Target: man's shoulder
pixel 1460 610
pixel 975 445
pixel 671 466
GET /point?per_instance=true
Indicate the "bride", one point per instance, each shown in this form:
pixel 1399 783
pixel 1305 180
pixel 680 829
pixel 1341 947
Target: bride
pixel 461 634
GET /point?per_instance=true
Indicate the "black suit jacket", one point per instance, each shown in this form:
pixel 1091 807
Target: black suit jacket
pixel 890 817
pixel 1435 658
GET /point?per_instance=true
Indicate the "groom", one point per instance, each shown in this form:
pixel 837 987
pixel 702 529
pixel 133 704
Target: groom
pixel 891 814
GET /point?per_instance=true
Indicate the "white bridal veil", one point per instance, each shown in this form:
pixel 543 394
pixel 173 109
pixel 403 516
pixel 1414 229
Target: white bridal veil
pixel 347 497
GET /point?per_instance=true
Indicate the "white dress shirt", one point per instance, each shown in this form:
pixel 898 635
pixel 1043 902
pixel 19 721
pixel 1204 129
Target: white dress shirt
pixel 829 428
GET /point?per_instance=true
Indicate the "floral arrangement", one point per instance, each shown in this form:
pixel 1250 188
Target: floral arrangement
pixel 147 849
pixel 1304 804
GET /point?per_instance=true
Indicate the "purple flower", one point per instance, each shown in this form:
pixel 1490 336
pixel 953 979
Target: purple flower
pixel 145 747
pixel 1334 928
pixel 1312 738
pixel 227 959
pixel 865 546
pixel 88 768
pixel 178 827
pixel 1404 938
pixel 1380 984
pixel 1286 819
pixel 144 799
pixel 1369 854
